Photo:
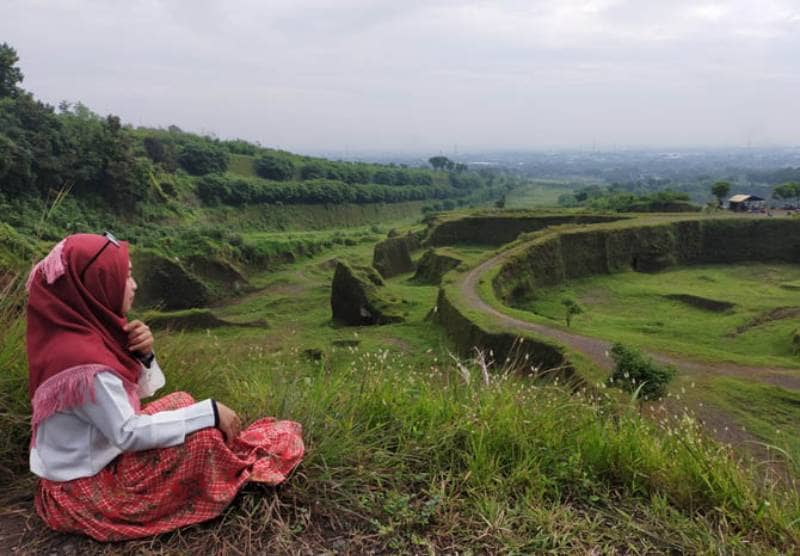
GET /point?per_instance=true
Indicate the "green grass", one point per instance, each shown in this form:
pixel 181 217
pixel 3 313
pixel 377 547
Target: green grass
pixel 540 193
pixel 629 307
pixel 242 165
pixel 770 412
pixel 410 453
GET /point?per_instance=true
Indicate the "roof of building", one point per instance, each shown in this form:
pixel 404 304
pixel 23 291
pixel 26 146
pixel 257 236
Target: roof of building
pixel 742 198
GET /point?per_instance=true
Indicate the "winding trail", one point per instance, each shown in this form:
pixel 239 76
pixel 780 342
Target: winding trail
pixel 597 350
pixel 719 423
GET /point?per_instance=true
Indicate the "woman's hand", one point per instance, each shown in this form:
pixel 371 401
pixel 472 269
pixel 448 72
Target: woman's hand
pixel 140 339
pixel 229 422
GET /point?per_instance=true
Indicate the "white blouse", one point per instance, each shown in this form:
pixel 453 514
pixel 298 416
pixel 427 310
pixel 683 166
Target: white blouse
pixel 81 441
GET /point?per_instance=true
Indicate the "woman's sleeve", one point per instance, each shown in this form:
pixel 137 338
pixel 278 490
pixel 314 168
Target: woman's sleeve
pixel 111 412
pixel 150 379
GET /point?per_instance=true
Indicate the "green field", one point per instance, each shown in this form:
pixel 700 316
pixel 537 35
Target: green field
pixel 633 308
pixel 541 193
pixel 412 452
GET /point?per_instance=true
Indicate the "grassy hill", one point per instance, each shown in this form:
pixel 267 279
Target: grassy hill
pixel 410 451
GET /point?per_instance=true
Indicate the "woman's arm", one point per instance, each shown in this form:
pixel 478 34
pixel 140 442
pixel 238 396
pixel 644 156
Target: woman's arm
pixel 111 412
pixel 151 378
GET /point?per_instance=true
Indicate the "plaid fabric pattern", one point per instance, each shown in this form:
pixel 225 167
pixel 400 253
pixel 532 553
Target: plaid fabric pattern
pixel 141 494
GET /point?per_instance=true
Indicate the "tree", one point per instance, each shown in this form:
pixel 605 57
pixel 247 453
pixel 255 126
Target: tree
pixel 10 75
pixel 720 190
pixel 161 152
pixel 788 190
pixel 313 170
pixel 273 167
pixel 440 162
pixel 201 158
pixel 571 308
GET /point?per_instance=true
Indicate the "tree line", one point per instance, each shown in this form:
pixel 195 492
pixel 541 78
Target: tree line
pixel 615 198
pixel 45 149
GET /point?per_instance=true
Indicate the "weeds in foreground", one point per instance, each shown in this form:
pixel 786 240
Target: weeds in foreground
pixel 445 458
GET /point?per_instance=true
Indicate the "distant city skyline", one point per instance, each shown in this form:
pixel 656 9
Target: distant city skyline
pixel 425 76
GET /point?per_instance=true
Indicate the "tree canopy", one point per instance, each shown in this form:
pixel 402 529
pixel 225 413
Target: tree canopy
pixel 788 190
pixel 10 75
pixel 720 190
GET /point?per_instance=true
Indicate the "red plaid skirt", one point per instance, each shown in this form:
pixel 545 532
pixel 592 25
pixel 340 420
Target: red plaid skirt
pixel 141 494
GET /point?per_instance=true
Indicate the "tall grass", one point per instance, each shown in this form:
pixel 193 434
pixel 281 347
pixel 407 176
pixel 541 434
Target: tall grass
pixel 408 458
pixel 14 404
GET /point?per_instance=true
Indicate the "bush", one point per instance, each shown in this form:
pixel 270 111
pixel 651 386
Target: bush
pixel 272 167
pixel 313 170
pixel 200 159
pixel 215 189
pixel 635 370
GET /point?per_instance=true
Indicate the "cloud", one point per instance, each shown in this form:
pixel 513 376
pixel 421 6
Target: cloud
pixel 316 74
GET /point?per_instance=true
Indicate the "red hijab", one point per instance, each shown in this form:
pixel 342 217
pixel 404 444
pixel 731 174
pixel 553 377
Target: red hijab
pixel 76 324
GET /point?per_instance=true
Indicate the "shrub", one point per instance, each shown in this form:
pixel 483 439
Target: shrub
pixel 571 308
pixel 635 370
pixel 272 167
pixel 313 170
pixel 200 159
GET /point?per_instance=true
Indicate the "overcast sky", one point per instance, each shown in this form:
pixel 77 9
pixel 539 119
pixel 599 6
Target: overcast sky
pixel 413 75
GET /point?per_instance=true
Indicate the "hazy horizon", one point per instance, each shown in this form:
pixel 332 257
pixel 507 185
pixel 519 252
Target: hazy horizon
pixel 416 77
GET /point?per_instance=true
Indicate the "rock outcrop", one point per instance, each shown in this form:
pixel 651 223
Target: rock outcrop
pixel 193 319
pixel 358 297
pixel 165 283
pixel 392 256
pixel 433 265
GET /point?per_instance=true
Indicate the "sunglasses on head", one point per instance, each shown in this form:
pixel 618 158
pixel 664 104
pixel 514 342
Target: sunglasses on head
pixel 111 241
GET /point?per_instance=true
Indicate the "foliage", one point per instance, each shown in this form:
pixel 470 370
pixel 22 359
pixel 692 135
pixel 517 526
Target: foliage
pixel 240 191
pixel 10 74
pixel 313 169
pixel 441 163
pixel 720 190
pixel 571 308
pixel 273 167
pixel 201 158
pixel 613 198
pixel 634 371
pixel 137 171
pixel 240 146
pixel 788 190
pixel 161 152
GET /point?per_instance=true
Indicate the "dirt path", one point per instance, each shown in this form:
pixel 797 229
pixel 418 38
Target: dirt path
pixel 716 421
pixel 597 350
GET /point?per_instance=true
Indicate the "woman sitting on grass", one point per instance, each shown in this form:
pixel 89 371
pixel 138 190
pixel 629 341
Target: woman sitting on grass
pixel 108 467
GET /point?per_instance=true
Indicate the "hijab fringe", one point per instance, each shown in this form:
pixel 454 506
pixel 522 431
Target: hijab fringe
pixel 53 265
pixel 71 388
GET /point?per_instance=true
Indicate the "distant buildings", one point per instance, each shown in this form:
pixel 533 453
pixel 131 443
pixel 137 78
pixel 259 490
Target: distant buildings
pixel 746 203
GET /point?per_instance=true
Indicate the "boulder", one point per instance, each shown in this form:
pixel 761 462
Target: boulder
pixel 165 283
pixel 218 274
pixel 358 297
pixel 392 256
pixel 433 265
